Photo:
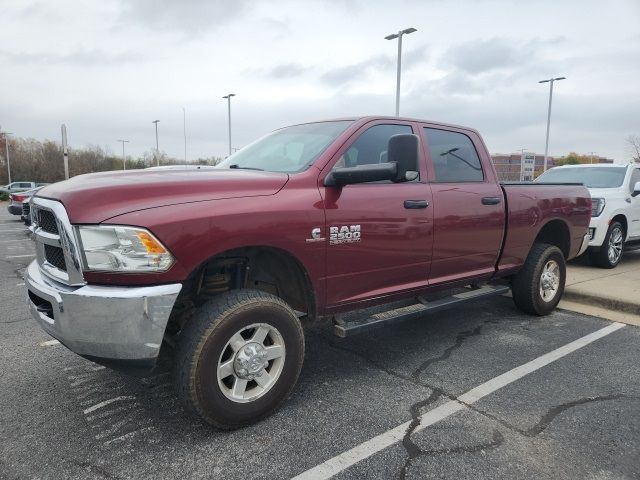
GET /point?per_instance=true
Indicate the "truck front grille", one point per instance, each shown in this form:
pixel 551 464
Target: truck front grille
pixel 55 256
pixel 56 246
pixel 47 221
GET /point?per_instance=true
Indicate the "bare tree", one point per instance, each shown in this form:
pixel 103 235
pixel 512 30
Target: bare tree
pixel 41 161
pixel 633 141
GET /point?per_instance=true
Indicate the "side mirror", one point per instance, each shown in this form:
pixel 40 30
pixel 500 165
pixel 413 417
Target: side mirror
pixel 403 151
pixel 374 172
pixel 636 190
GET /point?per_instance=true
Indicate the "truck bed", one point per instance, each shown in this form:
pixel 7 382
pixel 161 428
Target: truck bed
pixel 564 207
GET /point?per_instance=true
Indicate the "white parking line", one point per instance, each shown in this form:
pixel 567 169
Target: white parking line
pixel 49 343
pixel 360 452
pixel 107 402
pixel 21 256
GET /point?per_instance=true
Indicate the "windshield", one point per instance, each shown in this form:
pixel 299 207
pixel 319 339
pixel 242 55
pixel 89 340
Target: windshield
pixel 592 177
pixel 290 149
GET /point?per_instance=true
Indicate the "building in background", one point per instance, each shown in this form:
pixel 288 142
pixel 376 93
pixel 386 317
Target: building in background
pixel 518 167
pixel 510 167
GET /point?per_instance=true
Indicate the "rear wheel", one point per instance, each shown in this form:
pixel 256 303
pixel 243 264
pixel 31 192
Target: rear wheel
pixel 610 252
pixel 239 358
pixel 539 285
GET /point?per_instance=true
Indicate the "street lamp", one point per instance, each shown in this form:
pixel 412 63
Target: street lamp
pixel 157 150
pixel 591 154
pixel 6 146
pixel 546 145
pixel 124 159
pixel 228 97
pixel 399 37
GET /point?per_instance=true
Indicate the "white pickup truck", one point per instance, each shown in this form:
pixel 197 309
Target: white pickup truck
pixel 615 207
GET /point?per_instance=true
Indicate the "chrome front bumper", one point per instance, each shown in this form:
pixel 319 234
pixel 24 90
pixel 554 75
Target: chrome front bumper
pixel 120 327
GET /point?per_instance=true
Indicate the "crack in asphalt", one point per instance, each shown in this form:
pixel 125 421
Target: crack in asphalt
pixel 496 442
pixel 413 450
pixel 460 339
pixel 552 413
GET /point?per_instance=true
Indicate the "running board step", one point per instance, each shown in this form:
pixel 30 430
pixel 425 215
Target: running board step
pixel 344 327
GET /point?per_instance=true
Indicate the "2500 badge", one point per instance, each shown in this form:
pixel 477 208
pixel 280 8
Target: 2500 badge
pixel 344 234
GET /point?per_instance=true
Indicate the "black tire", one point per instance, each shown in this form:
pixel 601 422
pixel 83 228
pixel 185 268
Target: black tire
pixel 601 258
pixel 201 345
pixel 525 286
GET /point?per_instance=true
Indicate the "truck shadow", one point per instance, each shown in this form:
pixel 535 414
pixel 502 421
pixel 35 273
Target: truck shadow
pixel 122 410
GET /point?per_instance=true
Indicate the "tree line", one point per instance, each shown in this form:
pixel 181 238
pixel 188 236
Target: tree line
pixel 42 161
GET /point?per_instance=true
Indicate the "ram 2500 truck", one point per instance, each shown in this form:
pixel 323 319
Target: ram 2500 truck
pixel 360 221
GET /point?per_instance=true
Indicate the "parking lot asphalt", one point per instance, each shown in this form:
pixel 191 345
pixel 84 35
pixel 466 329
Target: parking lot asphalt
pixel 574 413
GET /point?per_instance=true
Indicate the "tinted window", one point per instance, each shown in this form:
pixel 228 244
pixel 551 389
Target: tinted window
pixel 371 146
pixel 635 177
pixel 454 157
pixel 592 177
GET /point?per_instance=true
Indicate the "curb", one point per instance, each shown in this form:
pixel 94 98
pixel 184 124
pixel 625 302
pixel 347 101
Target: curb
pixel 603 302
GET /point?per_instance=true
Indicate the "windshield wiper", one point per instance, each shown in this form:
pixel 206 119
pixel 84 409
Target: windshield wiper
pixel 235 165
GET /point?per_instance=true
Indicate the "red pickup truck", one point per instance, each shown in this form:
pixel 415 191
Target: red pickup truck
pixel 359 221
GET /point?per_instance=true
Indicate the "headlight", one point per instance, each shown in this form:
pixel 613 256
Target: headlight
pixel 597 206
pixel 122 249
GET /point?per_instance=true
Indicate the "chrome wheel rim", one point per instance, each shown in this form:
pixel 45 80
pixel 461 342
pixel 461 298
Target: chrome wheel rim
pixel 614 250
pixel 550 280
pixel 251 362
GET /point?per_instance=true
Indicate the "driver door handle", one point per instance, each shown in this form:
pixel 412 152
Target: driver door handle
pixel 412 204
pixel 491 200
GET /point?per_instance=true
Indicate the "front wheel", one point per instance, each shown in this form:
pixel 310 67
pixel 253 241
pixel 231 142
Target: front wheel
pixel 539 285
pixel 239 358
pixel 610 252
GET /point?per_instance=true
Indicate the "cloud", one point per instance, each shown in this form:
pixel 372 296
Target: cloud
pixel 286 70
pixel 186 16
pixel 480 56
pixel 78 58
pixel 347 74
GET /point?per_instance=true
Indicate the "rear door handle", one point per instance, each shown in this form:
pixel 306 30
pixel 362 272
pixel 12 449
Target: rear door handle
pixel 412 204
pixel 491 200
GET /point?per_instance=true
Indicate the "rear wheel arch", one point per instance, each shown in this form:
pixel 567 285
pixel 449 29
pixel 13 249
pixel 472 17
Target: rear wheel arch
pixel 556 233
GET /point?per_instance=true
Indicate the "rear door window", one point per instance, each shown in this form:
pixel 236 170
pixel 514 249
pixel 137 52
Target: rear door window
pixel 454 156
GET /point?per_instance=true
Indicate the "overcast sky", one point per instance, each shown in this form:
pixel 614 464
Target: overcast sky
pixel 108 68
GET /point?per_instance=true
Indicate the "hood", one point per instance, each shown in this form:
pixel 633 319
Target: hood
pixel 95 197
pixel 607 192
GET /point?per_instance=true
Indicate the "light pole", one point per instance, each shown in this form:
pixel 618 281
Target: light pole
pixel 228 97
pixel 124 159
pixel 399 37
pixel 591 154
pixel 6 146
pixel 546 145
pixel 157 150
